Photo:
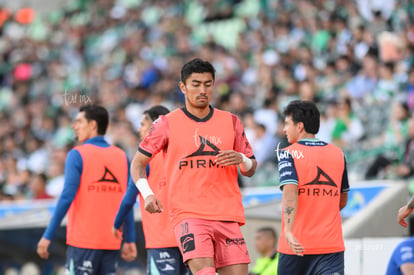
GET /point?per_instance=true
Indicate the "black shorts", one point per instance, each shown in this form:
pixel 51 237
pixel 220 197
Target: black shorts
pixel 166 261
pixel 83 261
pixel 318 264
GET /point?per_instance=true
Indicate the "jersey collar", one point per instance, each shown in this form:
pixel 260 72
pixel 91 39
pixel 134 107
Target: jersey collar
pixel 197 119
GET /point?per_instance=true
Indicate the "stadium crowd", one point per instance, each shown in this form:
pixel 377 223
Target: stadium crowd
pixel 353 58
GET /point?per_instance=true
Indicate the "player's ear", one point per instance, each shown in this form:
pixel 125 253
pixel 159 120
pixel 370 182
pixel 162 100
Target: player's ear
pixel 182 87
pixel 300 126
pixel 94 124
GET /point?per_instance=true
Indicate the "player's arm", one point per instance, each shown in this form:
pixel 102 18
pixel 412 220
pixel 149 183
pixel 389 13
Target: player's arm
pixel 405 211
pixel 129 248
pixel 126 213
pixel 289 185
pixel 242 154
pixel 343 200
pixel 155 141
pixel 73 171
pixel 139 175
pixel 290 207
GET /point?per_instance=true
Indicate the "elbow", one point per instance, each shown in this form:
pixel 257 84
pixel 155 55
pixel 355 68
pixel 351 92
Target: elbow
pixel 343 200
pixel 342 205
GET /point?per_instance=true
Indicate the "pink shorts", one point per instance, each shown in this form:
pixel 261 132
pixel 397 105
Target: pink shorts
pixel 220 240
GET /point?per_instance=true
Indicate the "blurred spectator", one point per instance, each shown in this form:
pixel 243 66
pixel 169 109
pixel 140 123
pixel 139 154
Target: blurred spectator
pixel 409 89
pixel 363 84
pixel 391 142
pixel 263 145
pixel 369 9
pixel 265 243
pixel 405 168
pixel 56 179
pixel 328 121
pixel 15 186
pixel 400 169
pixel 267 115
pixel 348 128
pixel 387 87
pixel 38 187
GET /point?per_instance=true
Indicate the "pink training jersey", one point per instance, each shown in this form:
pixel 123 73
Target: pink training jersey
pixel 157 228
pixel 198 187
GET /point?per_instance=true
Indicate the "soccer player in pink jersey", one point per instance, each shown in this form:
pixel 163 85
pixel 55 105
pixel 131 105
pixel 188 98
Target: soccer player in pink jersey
pixel 204 148
pixel 163 255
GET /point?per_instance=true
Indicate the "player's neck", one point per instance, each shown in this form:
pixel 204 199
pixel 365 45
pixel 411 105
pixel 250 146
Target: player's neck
pixel 198 112
pixel 305 135
pixel 269 253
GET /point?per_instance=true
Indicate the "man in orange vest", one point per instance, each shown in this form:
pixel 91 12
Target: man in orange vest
pixel 163 255
pixel 96 177
pixel 203 148
pixel 314 181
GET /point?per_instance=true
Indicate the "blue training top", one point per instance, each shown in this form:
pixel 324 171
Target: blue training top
pixel 402 254
pixel 128 202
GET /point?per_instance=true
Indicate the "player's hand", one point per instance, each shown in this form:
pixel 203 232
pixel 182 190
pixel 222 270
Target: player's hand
pixel 117 233
pixel 296 247
pixel 403 213
pixel 42 247
pixel 229 157
pixel 129 252
pixel 153 205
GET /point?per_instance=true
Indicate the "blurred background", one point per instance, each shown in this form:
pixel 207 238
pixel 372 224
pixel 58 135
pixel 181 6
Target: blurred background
pixel 353 58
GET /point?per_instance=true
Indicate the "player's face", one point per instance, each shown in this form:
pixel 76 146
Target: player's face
pixel 291 130
pixel 198 90
pixel 82 128
pixel 260 242
pixel 146 123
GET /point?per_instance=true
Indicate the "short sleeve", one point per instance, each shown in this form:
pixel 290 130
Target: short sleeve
pixel 156 139
pixel 241 144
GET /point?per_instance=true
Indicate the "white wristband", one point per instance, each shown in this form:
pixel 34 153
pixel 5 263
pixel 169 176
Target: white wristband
pixel 144 188
pixel 246 164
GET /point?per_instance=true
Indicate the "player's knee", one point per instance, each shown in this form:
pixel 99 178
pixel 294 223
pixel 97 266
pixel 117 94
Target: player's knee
pixel 207 271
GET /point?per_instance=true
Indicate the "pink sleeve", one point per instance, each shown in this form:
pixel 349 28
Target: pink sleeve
pixel 156 139
pixel 241 144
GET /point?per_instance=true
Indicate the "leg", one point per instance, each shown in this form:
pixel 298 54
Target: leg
pixel 166 261
pixel 80 261
pixel 109 262
pixel 233 269
pixel 230 250
pixel 328 264
pixel 194 237
pixel 202 265
pixel 291 265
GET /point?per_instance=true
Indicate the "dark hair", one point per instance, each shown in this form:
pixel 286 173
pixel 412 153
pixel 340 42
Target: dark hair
pixel 305 112
pixel 156 111
pixel 268 230
pixel 196 65
pixel 97 113
pixel 42 176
